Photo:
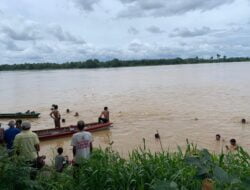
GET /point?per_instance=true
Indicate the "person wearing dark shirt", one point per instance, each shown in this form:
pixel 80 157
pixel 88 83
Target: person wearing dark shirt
pixel 1 135
pixel 9 136
pixel 60 160
pixel 19 124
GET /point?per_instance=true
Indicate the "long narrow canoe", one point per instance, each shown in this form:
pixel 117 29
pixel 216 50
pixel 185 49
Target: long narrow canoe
pixel 47 134
pixel 19 115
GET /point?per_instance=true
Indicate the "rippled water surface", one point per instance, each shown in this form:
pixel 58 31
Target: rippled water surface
pixel 141 100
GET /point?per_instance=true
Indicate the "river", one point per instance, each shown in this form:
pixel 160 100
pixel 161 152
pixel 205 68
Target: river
pixel 180 101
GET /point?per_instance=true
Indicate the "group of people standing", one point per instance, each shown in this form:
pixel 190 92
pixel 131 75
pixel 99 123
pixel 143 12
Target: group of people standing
pixel 21 141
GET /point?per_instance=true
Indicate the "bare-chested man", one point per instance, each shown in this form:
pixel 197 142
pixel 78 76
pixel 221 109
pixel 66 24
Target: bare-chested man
pixel 104 117
pixel 55 114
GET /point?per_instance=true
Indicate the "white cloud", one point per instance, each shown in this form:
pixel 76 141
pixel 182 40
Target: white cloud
pixel 133 30
pixel 86 5
pixel 154 29
pixel 63 35
pixel 140 8
pixel 61 32
pixel 185 32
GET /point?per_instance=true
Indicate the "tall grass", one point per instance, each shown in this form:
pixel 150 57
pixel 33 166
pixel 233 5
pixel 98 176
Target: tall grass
pixel 143 170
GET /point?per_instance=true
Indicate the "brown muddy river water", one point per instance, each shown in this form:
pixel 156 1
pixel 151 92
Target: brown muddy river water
pixel 141 100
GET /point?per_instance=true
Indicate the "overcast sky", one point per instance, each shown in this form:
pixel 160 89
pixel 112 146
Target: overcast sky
pixel 73 30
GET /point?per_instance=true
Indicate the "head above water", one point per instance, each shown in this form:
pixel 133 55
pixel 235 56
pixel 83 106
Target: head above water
pixel 217 137
pixel 26 126
pixel 80 125
pixel 11 123
pixel 54 106
pixel 19 122
pixel 233 142
pixel 60 150
pixel 105 108
pixel 243 121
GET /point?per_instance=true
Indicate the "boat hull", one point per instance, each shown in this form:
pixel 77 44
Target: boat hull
pixel 48 134
pixel 19 115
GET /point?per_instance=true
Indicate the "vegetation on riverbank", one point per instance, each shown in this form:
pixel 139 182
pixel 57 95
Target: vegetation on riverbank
pixel 191 169
pixel 94 63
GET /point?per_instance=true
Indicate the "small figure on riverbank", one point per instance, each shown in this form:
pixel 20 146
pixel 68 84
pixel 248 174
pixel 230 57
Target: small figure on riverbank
pixel 104 116
pixel 243 121
pixel 233 145
pixel 60 160
pixel 67 111
pixel 76 114
pixel 55 114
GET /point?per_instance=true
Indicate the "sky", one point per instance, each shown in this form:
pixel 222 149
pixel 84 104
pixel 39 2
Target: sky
pixel 76 30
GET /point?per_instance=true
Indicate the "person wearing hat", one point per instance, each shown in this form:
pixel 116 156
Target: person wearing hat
pixel 26 143
pixel 9 136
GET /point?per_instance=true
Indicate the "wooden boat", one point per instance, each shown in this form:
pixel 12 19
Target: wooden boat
pixel 47 134
pixel 19 115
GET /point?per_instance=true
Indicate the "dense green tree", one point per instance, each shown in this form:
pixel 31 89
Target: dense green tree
pixel 95 63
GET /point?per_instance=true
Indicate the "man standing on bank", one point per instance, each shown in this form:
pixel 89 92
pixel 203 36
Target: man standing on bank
pixel 82 143
pixel 9 136
pixel 55 114
pixel 26 143
pixel 104 117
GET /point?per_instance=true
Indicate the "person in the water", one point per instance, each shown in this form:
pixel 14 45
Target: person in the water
pixel 217 137
pixel 233 145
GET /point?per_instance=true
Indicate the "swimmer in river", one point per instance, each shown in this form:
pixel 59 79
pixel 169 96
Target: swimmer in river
pixel 219 144
pixel 217 137
pixel 243 121
pixel 233 145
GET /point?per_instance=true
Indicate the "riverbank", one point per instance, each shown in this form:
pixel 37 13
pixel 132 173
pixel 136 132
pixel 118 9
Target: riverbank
pixel 94 63
pixel 190 169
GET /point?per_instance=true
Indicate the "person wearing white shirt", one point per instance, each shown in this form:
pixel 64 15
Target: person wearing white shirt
pixel 82 143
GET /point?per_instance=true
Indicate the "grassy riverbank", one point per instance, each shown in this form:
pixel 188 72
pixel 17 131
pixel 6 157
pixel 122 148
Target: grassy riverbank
pixel 94 63
pixel 142 170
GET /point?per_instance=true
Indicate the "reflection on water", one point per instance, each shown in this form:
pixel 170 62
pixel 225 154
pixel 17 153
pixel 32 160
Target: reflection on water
pixel 141 100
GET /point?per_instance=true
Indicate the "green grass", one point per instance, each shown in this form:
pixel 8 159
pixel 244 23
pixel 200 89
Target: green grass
pixel 142 170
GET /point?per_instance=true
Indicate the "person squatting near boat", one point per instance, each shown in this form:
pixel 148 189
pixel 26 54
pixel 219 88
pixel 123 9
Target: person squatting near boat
pixel 55 115
pixel 104 116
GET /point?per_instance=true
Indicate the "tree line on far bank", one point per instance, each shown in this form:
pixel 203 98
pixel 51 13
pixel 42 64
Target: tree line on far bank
pixel 95 63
